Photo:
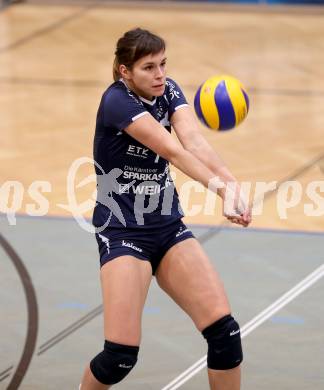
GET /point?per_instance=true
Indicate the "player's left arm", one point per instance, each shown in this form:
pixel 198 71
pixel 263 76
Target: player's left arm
pixel 190 135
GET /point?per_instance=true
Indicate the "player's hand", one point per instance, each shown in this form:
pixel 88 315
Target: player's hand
pixel 235 205
pixel 242 219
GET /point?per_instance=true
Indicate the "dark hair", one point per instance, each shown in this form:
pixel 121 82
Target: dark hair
pixel 135 44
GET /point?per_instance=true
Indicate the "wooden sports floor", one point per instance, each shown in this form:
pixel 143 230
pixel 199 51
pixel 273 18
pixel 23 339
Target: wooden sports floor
pixel 55 62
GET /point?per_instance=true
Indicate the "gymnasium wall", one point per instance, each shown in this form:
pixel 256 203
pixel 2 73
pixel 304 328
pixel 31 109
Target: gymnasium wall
pixel 4 3
pixel 303 2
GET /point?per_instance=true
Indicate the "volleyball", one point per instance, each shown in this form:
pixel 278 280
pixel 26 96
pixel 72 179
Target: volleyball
pixel 221 102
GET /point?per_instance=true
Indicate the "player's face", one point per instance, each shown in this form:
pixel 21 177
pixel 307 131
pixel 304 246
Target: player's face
pixel 147 76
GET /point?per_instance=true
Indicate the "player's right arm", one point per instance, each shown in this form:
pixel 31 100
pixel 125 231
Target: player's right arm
pixel 153 135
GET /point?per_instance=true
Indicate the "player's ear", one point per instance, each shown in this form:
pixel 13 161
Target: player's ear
pixel 124 72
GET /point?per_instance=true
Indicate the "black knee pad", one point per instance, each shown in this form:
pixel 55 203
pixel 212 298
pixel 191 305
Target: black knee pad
pixel 224 344
pixel 112 364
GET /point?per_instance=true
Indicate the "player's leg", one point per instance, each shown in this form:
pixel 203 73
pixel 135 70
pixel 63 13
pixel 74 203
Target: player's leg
pixel 125 282
pixel 188 277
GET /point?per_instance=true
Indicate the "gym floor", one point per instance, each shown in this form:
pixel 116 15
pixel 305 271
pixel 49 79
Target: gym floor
pixel 258 266
pixel 55 61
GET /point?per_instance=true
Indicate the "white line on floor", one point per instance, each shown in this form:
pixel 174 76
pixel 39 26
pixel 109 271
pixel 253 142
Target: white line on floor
pixel 253 324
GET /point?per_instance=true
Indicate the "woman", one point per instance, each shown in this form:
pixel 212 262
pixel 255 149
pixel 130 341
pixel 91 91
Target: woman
pixel 138 217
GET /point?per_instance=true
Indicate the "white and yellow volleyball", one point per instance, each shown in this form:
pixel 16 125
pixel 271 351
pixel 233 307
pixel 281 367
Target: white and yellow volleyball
pixel 221 102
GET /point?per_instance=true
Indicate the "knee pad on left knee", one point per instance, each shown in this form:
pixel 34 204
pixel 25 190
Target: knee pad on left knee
pixel 224 344
pixel 115 362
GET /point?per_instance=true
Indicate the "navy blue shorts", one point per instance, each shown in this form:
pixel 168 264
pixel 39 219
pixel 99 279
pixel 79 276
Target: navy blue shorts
pixel 145 244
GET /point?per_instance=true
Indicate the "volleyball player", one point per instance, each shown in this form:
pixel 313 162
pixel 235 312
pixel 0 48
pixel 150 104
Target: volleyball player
pixel 138 216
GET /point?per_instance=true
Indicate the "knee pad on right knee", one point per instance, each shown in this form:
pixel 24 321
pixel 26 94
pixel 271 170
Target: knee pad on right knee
pixel 224 344
pixel 115 362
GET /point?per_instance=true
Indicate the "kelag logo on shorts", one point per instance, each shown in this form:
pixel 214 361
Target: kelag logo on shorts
pixel 131 245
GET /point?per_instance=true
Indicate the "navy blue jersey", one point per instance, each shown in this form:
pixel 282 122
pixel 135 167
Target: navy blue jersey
pixel 134 185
